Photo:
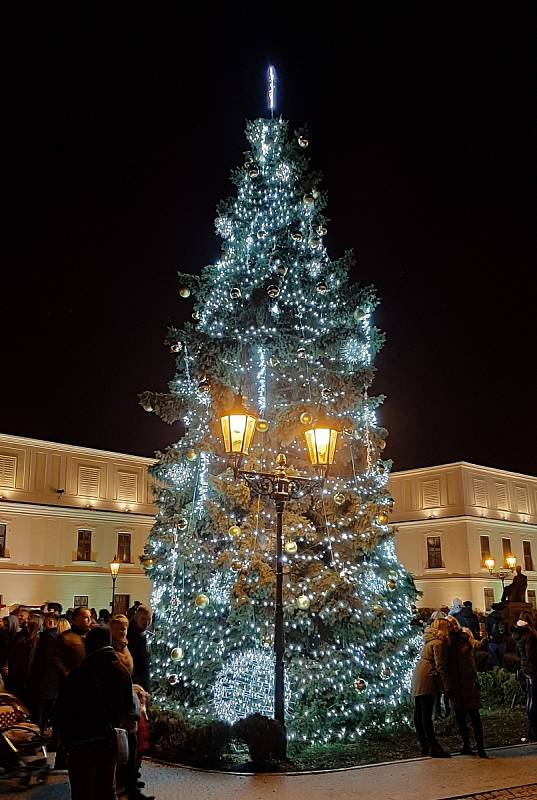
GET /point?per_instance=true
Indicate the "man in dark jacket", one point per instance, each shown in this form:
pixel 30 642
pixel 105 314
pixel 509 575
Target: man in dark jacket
pixel 516 591
pixel 138 646
pixel 468 619
pixel 93 700
pixel 43 680
pixel 525 636
pixel 497 633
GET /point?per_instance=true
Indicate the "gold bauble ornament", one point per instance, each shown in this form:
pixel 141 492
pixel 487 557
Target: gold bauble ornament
pixel 262 425
pixel 321 287
pixel 306 418
pixel 201 600
pixel 266 641
pixel 182 524
pixel 191 455
pixel 261 234
pixel 314 242
pixel 184 291
pixel 326 392
pixel 382 518
pixel 339 498
pixel 173 680
pixel 391 583
pixel 308 199
pixel 360 685
pixel 382 444
pixel 303 142
pixel 290 548
pixel 204 386
pixel 303 602
pixel 235 293
pixel 176 347
pixel 301 352
pixel 273 291
pixel 148 563
pixel 281 270
pixel 234 531
pixel 177 654
pixel 253 171
pixel 296 236
pixel 359 314
pixel 236 566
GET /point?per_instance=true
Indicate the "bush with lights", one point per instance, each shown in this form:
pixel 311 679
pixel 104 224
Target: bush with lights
pixel 275 321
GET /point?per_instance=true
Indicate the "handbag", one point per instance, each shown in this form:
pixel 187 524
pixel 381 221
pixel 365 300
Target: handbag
pixel 121 745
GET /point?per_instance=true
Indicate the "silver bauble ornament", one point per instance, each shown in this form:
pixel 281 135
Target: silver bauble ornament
pixel 235 293
pixel 303 602
pixel 273 291
pixel 308 199
pixel 182 524
pixel 281 270
pixel 184 292
pixel 296 236
pixel 321 287
pixel 359 314
pixel 253 171
pixel 339 498
pixel 302 141
pixel 176 347
pixel 301 352
pixel 177 654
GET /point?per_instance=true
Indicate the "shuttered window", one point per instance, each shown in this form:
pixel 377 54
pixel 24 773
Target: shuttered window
pixel 8 471
pixel 124 547
pixel 502 497
pixel 506 547
pixel 3 529
pixel 127 486
pixel 83 550
pixel 431 494
pixel 485 549
pixel 480 493
pixel 489 598
pixel 521 499
pixel 434 552
pixel 528 560
pixel 89 479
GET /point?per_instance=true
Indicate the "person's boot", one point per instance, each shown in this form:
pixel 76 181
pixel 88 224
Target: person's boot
pixel 482 753
pixel 438 752
pixel 466 749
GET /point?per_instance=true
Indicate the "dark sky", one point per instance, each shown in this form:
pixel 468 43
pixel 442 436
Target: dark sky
pixel 121 136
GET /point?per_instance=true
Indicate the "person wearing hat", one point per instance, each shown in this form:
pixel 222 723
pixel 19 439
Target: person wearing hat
pixel 525 637
pixel 497 633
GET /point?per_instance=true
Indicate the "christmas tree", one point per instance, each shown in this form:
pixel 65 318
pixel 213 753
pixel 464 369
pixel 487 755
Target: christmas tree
pixel 277 322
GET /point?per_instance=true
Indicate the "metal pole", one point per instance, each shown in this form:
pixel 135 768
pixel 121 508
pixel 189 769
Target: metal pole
pixel 279 646
pixel 113 592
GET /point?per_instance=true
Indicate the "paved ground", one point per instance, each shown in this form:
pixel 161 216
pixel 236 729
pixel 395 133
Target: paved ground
pixel 510 773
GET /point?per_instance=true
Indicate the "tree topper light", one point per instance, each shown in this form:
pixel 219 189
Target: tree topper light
pixel 271 89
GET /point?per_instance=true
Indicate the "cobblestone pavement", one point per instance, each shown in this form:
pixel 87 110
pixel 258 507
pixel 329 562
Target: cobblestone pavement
pixel 428 779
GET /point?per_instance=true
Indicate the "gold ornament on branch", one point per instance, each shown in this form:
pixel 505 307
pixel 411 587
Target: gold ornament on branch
pixel 234 531
pixel 253 171
pixel 382 518
pixel 191 455
pixel 391 583
pixel 359 314
pixel 321 287
pixel 201 600
pixel 296 236
pixel 339 498
pixel 308 199
pixel 184 292
pixel 306 418
pixel 273 291
pixel 262 425
pixel 281 270
pixel 291 548
pixel 360 685
pixel 173 680
pixel 177 654
pixel 176 347
pixel 182 524
pixel 303 142
pixel 303 602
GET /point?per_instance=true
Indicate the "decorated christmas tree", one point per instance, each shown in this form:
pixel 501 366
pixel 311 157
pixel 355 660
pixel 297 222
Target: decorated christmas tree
pixel 279 324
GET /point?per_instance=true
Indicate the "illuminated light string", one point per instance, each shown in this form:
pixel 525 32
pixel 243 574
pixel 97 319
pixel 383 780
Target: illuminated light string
pixel 342 580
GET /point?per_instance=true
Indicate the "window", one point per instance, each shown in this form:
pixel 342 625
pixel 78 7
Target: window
pixel 89 479
pixel 124 547
pixel 127 486
pixel 121 603
pixel 8 470
pixel 528 560
pixel 3 540
pixel 431 494
pixel 506 545
pixel 485 549
pixel 83 550
pixel 502 497
pixel 531 598
pixel 434 552
pixel 80 600
pixel 521 499
pixel 489 598
pixel 480 493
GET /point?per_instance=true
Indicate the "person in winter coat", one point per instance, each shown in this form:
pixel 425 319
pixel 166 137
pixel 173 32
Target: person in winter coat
pixel 464 692
pixel 468 619
pixel 8 634
pixel 118 630
pixel 525 637
pixel 43 679
pixel 496 628
pixel 456 609
pixel 70 645
pixel 430 678
pixel 93 700
pixel 20 659
pixel 138 646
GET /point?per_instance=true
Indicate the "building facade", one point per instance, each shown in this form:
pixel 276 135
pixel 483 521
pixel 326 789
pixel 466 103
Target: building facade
pixel 65 512
pixel 449 519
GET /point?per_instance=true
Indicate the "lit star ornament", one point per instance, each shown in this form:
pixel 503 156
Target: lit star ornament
pixel 271 89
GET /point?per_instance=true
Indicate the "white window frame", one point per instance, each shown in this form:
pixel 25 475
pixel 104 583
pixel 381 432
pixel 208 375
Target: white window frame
pixel 80 560
pixel 435 535
pixel 124 533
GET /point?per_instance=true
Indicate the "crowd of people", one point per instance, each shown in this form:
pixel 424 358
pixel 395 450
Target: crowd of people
pixel 83 675
pixel 446 670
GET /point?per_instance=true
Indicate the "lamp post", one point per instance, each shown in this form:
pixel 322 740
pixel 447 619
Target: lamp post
pixel 237 429
pixel 502 573
pixel 114 570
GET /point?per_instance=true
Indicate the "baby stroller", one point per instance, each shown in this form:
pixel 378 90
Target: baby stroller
pixel 23 754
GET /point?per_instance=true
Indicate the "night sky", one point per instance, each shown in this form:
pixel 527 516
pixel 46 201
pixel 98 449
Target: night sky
pixel 121 137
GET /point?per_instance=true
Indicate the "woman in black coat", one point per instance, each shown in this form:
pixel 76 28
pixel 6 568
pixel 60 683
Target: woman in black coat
pixel 464 683
pixel 525 637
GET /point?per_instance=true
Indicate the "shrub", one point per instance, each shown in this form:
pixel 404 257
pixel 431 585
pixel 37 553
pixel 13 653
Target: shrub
pixel 499 687
pixel 264 737
pixel 175 739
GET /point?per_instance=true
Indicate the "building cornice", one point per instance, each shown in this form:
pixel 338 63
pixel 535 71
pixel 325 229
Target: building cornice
pixel 98 515
pixel 434 521
pixel 6 438
pixel 463 465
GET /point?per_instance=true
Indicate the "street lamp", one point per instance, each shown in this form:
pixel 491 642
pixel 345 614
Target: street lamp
pixel 490 564
pixel 502 573
pixel 114 570
pixel 321 441
pixel 511 562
